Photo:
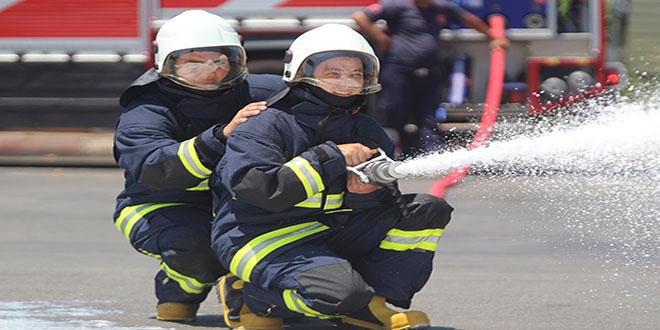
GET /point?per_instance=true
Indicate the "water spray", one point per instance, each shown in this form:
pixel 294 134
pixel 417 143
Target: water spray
pixel 616 140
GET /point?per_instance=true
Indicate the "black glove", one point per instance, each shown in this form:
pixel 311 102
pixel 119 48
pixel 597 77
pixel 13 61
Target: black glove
pixel 217 132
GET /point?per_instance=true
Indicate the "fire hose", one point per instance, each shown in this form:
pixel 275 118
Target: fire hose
pixel 491 109
pixel 383 170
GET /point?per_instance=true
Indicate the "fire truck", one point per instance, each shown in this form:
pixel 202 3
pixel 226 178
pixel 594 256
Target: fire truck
pixel 556 59
pixel 64 62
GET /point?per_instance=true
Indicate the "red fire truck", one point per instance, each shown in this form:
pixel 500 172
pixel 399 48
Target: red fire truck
pixel 64 62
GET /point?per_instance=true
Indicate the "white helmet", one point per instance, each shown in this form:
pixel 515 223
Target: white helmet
pixel 199 30
pixel 325 42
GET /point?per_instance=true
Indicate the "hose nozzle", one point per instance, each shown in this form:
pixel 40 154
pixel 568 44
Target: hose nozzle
pixel 380 169
pixel 383 171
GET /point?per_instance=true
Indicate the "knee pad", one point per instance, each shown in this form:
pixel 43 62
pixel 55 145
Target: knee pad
pixel 190 253
pixel 426 211
pixel 335 288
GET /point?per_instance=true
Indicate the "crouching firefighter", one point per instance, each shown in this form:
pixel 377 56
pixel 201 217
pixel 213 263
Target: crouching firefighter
pixel 169 139
pixel 302 235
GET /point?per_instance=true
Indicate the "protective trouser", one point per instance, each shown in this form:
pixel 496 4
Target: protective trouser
pixel 374 252
pixel 412 98
pixel 179 236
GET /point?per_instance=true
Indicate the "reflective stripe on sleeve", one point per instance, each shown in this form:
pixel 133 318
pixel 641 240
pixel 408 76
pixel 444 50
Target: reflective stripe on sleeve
pixel 190 160
pixel 204 185
pixel 307 175
pixel 313 202
pixel 332 202
pixel 242 264
pixel 400 240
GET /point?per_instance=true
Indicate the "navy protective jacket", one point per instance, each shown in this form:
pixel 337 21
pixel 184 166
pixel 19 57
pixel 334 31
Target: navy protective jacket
pixel 164 139
pixel 284 169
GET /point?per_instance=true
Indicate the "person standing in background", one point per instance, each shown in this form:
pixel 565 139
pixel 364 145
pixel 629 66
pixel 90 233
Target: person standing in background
pixel 617 28
pixel 411 72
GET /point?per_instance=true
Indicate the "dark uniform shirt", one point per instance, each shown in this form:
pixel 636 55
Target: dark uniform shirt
pixel 415 32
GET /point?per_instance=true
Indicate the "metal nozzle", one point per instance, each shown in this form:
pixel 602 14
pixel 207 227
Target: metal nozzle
pixel 383 172
pixel 380 169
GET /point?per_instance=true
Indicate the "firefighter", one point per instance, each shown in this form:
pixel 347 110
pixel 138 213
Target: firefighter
pixel 301 235
pixel 412 77
pixel 168 140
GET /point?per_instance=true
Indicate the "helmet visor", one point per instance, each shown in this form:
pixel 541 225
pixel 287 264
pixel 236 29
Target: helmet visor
pixel 342 73
pixel 209 68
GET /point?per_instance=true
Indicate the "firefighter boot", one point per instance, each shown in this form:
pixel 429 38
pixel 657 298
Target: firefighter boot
pixel 236 314
pixel 176 311
pixel 377 316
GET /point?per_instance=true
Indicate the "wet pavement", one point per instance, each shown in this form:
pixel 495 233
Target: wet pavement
pixel 520 253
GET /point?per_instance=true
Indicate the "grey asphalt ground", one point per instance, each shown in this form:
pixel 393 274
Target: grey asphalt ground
pixel 520 253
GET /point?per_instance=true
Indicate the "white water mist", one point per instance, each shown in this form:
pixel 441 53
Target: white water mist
pixel 601 176
pixel 619 139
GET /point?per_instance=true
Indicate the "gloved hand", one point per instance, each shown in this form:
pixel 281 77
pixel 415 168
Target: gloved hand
pixel 218 132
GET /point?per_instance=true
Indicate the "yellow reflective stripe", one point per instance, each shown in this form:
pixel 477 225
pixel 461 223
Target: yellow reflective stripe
pixel 131 214
pixel 334 201
pixel 338 211
pixel 294 303
pixel 188 284
pixel 157 256
pixel 313 202
pixel 307 175
pixel 258 248
pixel 400 240
pixel 190 160
pixel 204 185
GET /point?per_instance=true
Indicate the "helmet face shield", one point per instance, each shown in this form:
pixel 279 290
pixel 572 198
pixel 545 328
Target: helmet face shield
pixel 206 68
pixel 194 68
pixel 342 73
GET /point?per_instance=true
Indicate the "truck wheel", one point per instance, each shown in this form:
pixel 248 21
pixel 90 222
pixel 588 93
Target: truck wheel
pixel 534 21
